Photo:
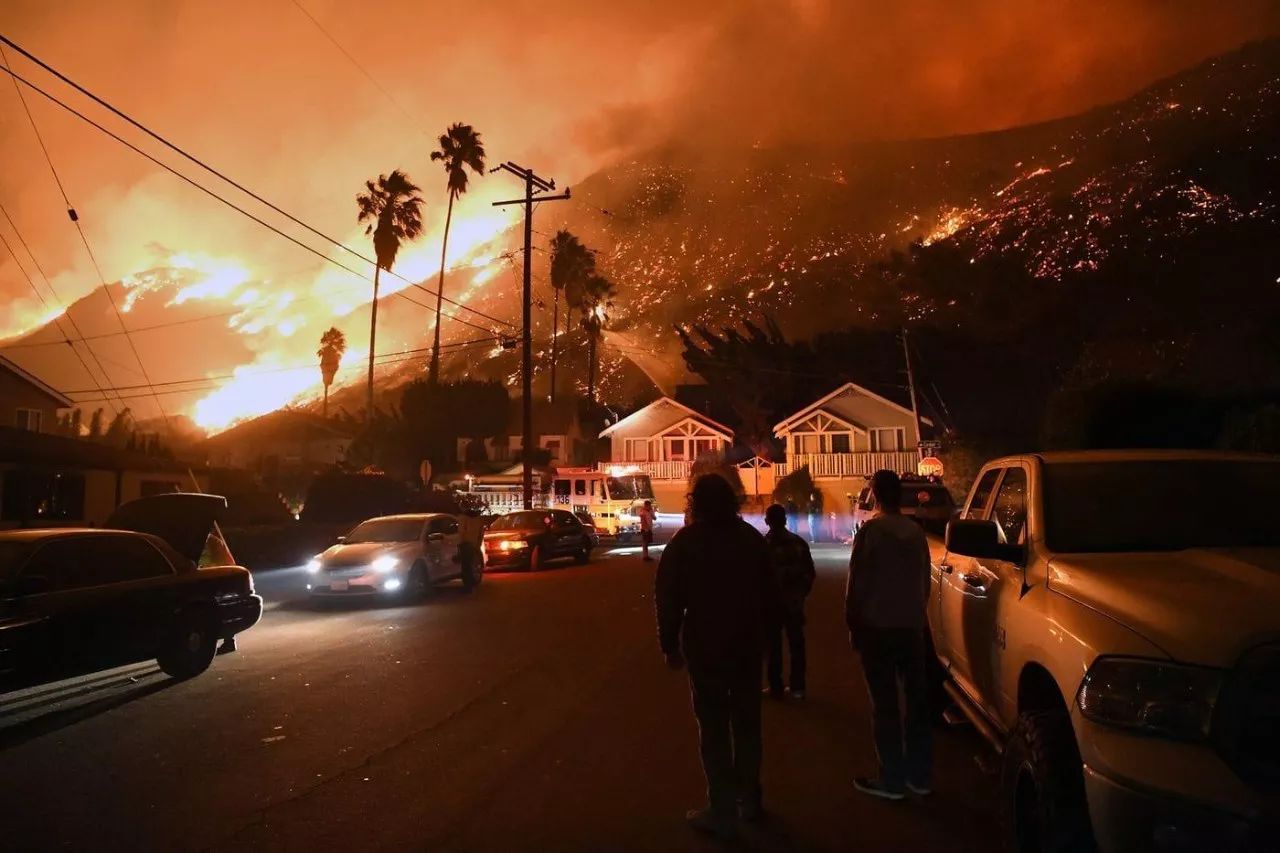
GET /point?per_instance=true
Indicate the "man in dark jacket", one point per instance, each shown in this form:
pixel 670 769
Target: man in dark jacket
pixel 793 572
pixel 715 600
pixel 885 603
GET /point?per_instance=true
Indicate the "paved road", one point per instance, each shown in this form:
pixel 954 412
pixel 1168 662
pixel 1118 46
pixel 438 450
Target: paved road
pixel 534 714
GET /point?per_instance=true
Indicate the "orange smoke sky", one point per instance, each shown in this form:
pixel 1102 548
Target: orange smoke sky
pixel 564 86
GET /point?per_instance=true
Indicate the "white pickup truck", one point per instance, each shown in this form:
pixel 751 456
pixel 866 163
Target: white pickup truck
pixel 1111 622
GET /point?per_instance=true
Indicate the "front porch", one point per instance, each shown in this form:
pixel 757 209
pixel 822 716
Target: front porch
pixel 837 465
pixel 664 470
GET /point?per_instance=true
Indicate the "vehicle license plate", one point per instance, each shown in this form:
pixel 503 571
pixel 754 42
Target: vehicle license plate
pixel 339 586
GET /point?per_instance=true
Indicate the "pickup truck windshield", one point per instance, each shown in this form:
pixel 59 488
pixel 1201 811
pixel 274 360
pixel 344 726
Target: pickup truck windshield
pixel 1160 505
pixel 386 530
pixel 630 488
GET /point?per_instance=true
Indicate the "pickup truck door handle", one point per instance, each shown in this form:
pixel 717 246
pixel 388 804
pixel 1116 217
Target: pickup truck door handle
pixel 974 580
pixel 946 568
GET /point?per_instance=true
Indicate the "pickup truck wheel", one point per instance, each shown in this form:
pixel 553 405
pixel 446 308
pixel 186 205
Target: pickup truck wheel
pixel 190 646
pixel 1042 787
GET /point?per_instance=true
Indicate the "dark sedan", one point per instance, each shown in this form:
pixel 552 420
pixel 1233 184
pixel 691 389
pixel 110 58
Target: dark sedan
pixel 74 601
pixel 530 538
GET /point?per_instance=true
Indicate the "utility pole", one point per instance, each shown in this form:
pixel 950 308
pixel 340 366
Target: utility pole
pixel 533 185
pixel 911 389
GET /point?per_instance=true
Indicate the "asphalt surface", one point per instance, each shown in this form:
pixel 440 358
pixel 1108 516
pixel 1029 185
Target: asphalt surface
pixel 532 714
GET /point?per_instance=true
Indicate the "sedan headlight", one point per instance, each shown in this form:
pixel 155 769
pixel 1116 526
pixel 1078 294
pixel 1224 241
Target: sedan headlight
pixel 1151 696
pixel 384 564
pixel 512 545
pixel 313 565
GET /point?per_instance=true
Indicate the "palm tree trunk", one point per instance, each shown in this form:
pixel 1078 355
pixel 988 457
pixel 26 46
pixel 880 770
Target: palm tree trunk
pixel 555 333
pixel 433 375
pixel 373 337
pixel 591 369
pixel 326 401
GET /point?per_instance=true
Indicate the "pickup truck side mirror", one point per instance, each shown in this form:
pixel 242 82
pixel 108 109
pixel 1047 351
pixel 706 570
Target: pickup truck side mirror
pixel 341 539
pixel 973 537
pixel 435 537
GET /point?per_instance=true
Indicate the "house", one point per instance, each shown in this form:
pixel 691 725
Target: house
pixel 849 433
pixel 557 429
pixel 26 402
pixel 53 480
pixel 664 438
pixel 281 442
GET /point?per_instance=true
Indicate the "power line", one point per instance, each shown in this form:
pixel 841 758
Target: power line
pixel 228 202
pixel 359 67
pixel 75 220
pixel 418 354
pixel 192 158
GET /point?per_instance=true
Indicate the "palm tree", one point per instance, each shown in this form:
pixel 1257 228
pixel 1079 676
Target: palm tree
pixel 597 299
pixel 571 264
pixel 460 149
pixel 333 345
pixel 392 211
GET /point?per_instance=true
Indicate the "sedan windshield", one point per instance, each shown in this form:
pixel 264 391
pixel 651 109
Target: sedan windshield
pixel 630 488
pixel 386 530
pixel 1161 505
pixel 13 555
pixel 531 520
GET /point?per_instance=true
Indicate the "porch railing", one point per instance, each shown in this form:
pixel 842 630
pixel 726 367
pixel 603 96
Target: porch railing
pixel 828 465
pixel 655 470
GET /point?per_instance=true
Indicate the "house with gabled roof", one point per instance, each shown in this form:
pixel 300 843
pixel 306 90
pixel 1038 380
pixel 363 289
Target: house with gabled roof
pixel 664 438
pixel 851 432
pixel 28 402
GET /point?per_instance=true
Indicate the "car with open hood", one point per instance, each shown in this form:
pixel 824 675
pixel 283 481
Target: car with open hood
pixel 156 582
pixel 399 556
pixel 529 539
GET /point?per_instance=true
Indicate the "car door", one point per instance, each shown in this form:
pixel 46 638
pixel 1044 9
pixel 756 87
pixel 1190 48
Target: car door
pixel 445 540
pixel 567 534
pixel 953 590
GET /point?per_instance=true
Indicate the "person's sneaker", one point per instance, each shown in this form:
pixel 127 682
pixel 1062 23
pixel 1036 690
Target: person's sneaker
pixel 876 788
pixel 797 694
pixel 704 820
pixel 919 790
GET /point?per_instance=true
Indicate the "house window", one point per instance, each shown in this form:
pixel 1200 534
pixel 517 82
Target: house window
pixel 553 447
pixel 810 443
pixel 29 419
pixel 637 450
pixel 888 438
pixel 675 450
pixel 841 443
pixel 33 496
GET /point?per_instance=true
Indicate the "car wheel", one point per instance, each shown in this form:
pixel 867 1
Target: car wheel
pixel 584 554
pixel 419 585
pixel 190 646
pixel 472 570
pixel 1042 787
pixel 536 563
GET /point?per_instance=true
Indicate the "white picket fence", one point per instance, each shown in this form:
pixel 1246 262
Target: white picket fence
pixel 849 464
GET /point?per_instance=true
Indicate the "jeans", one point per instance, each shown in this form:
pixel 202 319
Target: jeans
pixel 893 656
pixel 793 627
pixel 726 702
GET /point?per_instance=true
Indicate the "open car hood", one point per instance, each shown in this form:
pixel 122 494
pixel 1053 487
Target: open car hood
pixel 183 519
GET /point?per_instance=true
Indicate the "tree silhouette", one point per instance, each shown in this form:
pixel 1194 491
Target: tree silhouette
pixel 392 212
pixel 571 265
pixel 460 149
pixel 597 299
pixel 333 345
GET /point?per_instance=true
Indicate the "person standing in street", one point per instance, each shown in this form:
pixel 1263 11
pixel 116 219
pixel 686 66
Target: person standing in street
pixel 815 513
pixel 885 609
pixel 794 573
pixel 716 602
pixel 647 516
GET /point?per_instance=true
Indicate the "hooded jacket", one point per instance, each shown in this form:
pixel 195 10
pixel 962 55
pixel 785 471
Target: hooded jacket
pixel 888 583
pixel 715 595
